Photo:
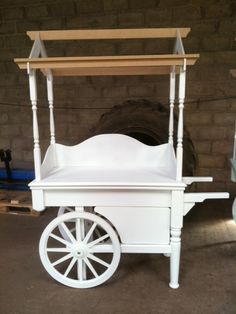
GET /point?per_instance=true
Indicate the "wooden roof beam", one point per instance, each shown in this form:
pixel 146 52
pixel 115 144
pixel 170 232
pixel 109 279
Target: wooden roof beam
pixel 108 34
pixel 107 61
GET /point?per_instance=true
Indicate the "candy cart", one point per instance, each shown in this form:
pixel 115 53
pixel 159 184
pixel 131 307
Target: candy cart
pixel 115 194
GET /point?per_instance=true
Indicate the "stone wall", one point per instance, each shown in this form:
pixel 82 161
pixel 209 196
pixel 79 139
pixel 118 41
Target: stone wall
pixel 80 102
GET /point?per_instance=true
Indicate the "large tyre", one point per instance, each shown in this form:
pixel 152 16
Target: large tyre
pixel 147 122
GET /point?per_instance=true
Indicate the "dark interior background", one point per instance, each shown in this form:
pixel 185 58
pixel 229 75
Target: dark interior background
pixel 210 109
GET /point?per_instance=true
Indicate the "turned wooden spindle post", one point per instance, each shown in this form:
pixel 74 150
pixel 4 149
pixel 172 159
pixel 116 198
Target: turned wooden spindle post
pixel 179 152
pixel 172 102
pixel 175 234
pixel 33 98
pixel 50 102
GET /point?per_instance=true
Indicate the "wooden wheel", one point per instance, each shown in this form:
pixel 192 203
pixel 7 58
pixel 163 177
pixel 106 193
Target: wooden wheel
pixel 63 210
pixel 83 260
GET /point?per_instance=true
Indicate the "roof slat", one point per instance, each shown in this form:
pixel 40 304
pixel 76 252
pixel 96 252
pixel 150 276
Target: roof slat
pixel 98 64
pixel 108 34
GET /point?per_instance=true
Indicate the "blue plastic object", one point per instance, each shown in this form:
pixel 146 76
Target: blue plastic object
pixel 18 174
pixel 19 181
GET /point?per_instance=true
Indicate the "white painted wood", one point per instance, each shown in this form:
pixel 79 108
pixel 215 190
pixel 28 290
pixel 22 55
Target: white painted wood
pixel 87 176
pixel 36 49
pixel 191 198
pixel 179 151
pixel 201 196
pixel 233 169
pixel 190 180
pixel 37 150
pixel 172 102
pixel 234 210
pixel 79 251
pixel 143 225
pixel 137 188
pixel 38 201
pixel 175 257
pixel 177 208
pixel 233 160
pixel 234 151
pixel 115 150
pixel 106 197
pixel 147 248
pixel 50 102
pixel 179 47
pixel 176 223
pixel 188 207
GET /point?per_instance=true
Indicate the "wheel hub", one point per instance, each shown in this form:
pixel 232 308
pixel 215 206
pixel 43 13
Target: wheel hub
pixel 80 250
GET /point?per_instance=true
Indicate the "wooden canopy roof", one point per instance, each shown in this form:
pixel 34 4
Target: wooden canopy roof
pixel 108 65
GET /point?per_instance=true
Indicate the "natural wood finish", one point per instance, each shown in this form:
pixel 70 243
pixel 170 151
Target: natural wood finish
pixel 108 34
pixel 108 65
pixel 17 203
pixel 113 71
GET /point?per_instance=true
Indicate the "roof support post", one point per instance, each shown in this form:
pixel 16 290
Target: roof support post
pixel 179 47
pixel 172 103
pixel 179 157
pixel 50 102
pixel 33 98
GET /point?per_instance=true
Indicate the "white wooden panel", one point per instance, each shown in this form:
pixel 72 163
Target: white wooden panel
pixel 50 161
pixel 177 209
pixel 95 176
pixel 145 248
pixel 38 200
pixel 116 150
pixel 89 197
pixel 139 225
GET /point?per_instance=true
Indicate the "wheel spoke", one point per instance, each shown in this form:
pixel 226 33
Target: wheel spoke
pixel 102 248
pixel 58 249
pixel 88 235
pixel 78 230
pixel 63 259
pixel 52 235
pixel 69 209
pixel 72 263
pixel 80 269
pixel 90 266
pixel 90 244
pixel 67 231
pixel 98 260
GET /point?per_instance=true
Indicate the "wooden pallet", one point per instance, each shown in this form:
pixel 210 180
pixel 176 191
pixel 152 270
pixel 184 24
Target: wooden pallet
pixel 17 203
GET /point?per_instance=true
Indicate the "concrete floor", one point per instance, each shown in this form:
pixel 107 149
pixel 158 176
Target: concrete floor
pixel 140 285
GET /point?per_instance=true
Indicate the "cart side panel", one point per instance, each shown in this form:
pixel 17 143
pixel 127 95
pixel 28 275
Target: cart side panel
pixel 139 225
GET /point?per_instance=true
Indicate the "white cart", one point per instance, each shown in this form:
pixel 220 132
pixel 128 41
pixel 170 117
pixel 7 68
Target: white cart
pixel 115 195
